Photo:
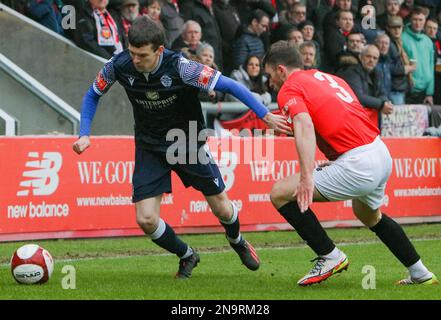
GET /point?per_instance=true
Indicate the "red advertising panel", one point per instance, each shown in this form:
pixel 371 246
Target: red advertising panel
pixel 48 191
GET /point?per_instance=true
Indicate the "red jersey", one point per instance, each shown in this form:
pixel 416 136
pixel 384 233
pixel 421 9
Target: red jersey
pixel 340 121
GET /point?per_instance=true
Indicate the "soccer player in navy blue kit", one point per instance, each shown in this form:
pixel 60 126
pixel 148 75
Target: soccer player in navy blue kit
pixel 163 86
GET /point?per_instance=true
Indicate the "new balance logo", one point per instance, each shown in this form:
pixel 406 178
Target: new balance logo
pixel 43 174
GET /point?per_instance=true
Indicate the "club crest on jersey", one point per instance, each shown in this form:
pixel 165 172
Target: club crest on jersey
pixel 152 95
pixel 131 80
pixel 100 82
pixel 291 102
pixel 166 81
pixel 205 76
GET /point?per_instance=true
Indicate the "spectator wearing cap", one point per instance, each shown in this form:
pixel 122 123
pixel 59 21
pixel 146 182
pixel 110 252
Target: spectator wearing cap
pixel 419 48
pixel 190 39
pixel 308 30
pixel 171 20
pixel 402 66
pixel 96 30
pixel 249 43
pixel 127 12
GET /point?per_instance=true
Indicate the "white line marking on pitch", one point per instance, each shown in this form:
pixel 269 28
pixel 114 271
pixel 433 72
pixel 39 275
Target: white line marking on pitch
pixel 300 246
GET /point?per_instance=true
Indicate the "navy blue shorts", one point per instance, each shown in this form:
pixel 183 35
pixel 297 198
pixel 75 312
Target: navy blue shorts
pixel 152 175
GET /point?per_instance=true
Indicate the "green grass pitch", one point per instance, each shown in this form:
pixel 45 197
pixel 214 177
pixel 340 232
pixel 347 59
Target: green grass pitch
pixel 134 268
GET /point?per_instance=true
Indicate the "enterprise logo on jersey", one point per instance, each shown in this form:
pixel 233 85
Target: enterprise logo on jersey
pixel 43 174
pixel 155 103
pixel 206 75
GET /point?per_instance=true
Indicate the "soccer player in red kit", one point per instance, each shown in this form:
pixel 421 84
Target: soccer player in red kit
pixel 323 110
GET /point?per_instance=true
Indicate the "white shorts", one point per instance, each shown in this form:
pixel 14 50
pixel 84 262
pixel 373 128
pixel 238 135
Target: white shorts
pixel 360 173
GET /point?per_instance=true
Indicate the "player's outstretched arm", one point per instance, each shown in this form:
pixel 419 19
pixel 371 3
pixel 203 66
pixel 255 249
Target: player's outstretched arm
pixel 238 90
pixel 88 109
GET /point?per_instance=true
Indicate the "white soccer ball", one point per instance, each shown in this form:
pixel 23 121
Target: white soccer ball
pixel 31 264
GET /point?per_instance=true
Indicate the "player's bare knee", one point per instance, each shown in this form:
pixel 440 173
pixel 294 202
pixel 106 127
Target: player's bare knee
pixel 148 223
pixel 373 219
pixel 222 210
pixel 368 216
pixel 277 194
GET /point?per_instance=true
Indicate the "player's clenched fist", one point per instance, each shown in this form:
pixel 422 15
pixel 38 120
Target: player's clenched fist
pixel 81 144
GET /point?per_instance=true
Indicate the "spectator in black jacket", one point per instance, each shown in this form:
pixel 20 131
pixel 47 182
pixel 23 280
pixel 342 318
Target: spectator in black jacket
pixel 403 67
pixel 329 21
pixel 96 30
pixel 229 22
pixel 392 9
pixel 171 20
pixel 249 42
pixel 366 83
pixel 335 40
pixel 202 12
pixel 308 30
pixel 246 7
pixel 351 53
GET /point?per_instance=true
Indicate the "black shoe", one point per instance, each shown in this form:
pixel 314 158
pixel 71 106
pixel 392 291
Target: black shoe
pixel 187 265
pixel 247 254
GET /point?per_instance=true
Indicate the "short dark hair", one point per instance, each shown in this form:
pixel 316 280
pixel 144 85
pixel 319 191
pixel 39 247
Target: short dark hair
pixel 257 14
pixel 283 53
pixel 144 31
pixel 417 10
pixel 341 11
pixel 432 19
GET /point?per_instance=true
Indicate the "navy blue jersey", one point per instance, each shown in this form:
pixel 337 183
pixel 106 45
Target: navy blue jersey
pixel 163 99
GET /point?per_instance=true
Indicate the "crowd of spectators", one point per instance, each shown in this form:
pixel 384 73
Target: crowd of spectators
pixel 389 51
